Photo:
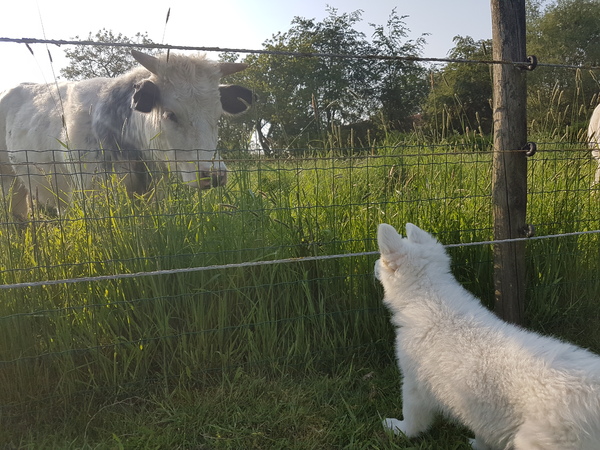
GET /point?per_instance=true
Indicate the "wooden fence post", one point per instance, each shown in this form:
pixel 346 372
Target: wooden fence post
pixel 509 178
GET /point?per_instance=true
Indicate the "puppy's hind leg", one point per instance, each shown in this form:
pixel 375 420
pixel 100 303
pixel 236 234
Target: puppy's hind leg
pixel 418 411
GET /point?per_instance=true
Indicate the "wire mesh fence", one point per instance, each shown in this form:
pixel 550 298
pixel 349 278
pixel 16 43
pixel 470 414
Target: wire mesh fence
pixel 161 320
pixel 118 293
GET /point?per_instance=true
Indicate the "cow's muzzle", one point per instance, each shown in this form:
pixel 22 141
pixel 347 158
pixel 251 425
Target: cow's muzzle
pixel 213 178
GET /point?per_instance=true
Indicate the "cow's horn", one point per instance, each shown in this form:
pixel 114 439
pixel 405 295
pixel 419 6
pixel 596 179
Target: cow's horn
pixel 148 61
pixel 227 68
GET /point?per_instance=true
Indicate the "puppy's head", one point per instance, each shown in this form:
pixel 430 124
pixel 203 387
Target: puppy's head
pixel 416 255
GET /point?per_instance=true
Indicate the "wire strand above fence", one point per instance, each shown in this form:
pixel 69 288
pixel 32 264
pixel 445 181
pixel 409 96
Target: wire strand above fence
pixel 168 47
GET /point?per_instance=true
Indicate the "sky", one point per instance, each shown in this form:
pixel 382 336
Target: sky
pixel 243 24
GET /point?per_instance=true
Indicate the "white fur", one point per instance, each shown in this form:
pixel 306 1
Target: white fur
pixel 54 138
pixel 513 388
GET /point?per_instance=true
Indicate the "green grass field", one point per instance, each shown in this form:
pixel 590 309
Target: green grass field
pixel 289 355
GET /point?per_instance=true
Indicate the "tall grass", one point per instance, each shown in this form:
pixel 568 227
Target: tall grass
pixel 68 348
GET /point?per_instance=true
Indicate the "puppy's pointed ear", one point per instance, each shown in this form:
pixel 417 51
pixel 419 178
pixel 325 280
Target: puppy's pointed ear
pixel 388 239
pixel 418 236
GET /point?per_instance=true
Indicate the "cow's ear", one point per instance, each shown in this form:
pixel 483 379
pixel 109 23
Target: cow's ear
pixel 145 96
pixel 235 99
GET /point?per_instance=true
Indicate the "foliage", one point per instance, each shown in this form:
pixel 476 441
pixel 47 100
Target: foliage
pixel 89 61
pixel 303 98
pixel 402 84
pixel 558 32
pixel 460 98
pixel 563 32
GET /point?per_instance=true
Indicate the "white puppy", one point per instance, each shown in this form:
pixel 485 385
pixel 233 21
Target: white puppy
pixel 515 389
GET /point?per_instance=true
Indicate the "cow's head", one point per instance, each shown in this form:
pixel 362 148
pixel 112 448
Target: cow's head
pixel 183 97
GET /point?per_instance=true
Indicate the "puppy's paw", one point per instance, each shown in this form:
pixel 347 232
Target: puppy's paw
pixel 395 425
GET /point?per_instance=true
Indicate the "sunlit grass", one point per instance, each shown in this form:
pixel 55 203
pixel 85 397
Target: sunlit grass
pixel 70 350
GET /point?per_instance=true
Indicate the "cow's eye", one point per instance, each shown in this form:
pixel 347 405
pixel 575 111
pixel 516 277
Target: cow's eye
pixel 170 115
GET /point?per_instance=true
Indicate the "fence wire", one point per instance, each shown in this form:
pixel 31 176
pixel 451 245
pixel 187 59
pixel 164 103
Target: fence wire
pixel 59 42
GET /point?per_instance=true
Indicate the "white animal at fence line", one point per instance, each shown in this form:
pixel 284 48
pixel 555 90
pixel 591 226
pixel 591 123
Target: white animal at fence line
pixel 513 388
pixel 594 139
pixel 58 138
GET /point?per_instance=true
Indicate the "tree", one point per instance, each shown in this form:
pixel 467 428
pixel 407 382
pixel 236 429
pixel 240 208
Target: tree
pixel 303 98
pixel 566 31
pixel 558 32
pixel 89 61
pixel 563 32
pixel 402 85
pixel 461 94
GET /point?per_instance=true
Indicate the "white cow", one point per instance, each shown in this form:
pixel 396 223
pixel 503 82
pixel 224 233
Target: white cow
pixel 594 139
pixel 54 139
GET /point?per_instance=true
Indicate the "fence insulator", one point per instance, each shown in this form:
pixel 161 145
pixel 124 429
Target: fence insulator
pixel 532 63
pixel 530 149
pixel 528 231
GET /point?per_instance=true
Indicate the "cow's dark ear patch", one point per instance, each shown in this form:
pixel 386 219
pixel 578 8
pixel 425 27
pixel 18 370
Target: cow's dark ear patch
pixel 235 99
pixel 145 96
